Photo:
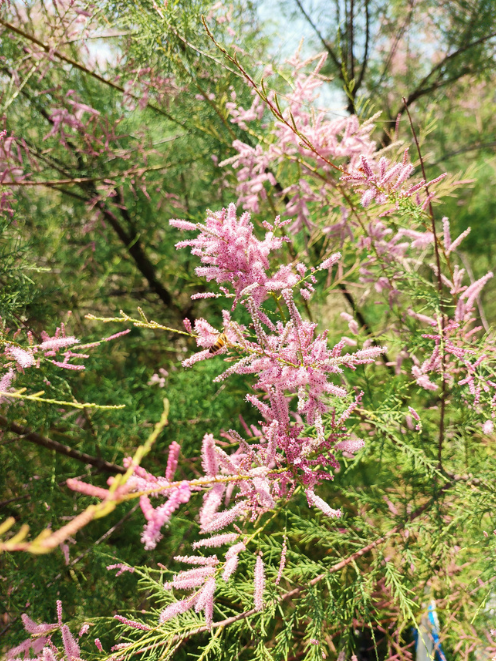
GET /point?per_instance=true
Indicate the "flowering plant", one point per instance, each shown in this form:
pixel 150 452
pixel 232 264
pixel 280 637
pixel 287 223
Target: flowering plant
pixel 349 465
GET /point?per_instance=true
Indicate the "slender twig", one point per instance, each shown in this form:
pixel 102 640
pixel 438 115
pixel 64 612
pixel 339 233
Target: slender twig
pixel 350 45
pixel 440 290
pixel 108 178
pixel 78 65
pixel 462 150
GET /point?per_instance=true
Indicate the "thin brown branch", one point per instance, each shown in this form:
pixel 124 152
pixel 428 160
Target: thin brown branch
pixel 33 437
pixel 440 290
pixel 424 89
pixel 351 40
pixel 463 150
pixel 366 48
pixel 130 240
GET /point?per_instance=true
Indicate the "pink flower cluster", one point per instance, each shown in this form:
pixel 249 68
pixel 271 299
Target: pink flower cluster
pixel 41 642
pixel 385 181
pixel 297 385
pixel 341 138
pixel 292 364
pixel 454 356
pixel 17 358
pixel 232 254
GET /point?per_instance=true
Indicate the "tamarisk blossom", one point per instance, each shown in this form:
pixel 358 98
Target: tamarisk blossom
pixel 453 355
pixel 488 427
pixel 282 562
pixel 121 567
pixel 385 181
pixel 232 559
pixel 232 253
pixel 322 505
pixel 450 245
pixel 42 644
pixel 332 139
pixel 30 355
pixel 142 480
pixel 216 540
pixel 259 584
pixel 156 518
pixel 288 359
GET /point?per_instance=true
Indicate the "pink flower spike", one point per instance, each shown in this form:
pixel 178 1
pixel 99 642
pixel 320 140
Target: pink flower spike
pixel 259 584
pixel 330 261
pixel 116 335
pixel 59 612
pixel 68 366
pixel 36 629
pixel 6 380
pixel 23 358
pixel 230 567
pixel 197 560
pixel 458 240
pixel 56 343
pixel 87 489
pixel 322 505
pixel 206 600
pixel 414 413
pixel 447 234
pixel 488 427
pixel 176 608
pixel 121 567
pixel 70 646
pixel 225 518
pixel 209 459
pixel 216 540
pixel 172 459
pixel 132 623
pixel 282 562
pixel 350 446
pixel 98 644
pixel 183 224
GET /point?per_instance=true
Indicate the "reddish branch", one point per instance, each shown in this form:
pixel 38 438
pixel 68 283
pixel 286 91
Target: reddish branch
pixel 440 290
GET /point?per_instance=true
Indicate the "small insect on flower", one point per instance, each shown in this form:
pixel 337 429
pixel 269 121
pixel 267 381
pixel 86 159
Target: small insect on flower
pixel 220 342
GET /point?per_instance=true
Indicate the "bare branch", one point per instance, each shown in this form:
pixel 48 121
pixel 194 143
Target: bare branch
pixel 33 437
pixel 366 48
